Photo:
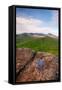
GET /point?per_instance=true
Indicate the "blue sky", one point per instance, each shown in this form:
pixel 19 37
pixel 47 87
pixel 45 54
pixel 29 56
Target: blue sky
pixel 35 13
pixel 36 20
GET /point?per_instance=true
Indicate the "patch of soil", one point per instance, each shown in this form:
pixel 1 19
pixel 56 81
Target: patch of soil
pixel 43 66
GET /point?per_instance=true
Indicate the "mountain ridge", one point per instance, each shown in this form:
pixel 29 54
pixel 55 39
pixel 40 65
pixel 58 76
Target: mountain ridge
pixel 38 35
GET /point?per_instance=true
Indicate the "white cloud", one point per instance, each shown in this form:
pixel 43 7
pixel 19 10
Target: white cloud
pixel 29 25
pixel 29 21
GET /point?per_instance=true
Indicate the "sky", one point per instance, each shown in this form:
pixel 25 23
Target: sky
pixel 36 21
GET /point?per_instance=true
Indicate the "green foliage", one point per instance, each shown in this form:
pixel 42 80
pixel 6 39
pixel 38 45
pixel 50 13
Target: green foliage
pixel 45 44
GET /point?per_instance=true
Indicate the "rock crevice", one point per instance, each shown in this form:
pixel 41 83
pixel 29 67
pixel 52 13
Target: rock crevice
pixel 35 66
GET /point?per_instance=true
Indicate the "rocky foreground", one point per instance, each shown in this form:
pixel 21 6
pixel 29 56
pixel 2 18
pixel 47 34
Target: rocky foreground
pixel 35 66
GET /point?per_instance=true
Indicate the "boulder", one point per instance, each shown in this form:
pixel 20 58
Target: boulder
pixel 23 56
pixel 44 66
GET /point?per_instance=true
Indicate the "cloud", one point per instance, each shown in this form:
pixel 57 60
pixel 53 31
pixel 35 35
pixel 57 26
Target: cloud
pixel 31 25
pixel 28 20
pixel 27 24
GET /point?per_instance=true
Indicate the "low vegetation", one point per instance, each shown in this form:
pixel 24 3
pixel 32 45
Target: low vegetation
pixel 45 44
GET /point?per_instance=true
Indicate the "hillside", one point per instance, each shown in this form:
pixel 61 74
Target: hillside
pixel 45 44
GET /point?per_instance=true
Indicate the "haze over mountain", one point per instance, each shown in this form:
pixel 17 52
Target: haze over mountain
pixel 38 35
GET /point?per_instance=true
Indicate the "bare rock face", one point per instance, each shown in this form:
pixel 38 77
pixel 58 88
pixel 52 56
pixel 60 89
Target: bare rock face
pixel 23 55
pixel 43 66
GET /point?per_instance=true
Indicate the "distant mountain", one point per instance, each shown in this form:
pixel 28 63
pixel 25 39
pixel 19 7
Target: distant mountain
pixel 31 34
pixel 52 36
pixel 37 35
